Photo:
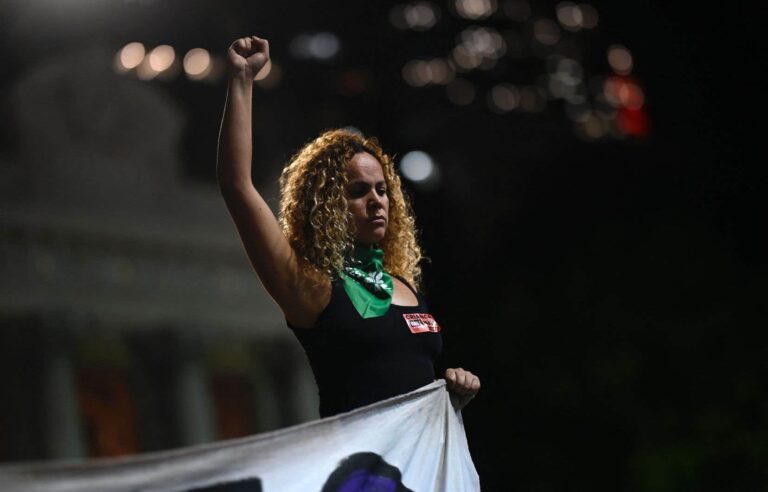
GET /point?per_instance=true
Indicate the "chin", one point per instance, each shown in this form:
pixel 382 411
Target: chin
pixel 371 239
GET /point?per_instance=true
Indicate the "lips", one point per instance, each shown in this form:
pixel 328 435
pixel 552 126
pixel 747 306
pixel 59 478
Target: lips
pixel 377 220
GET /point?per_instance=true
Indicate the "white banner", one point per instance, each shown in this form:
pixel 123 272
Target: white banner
pixel 412 442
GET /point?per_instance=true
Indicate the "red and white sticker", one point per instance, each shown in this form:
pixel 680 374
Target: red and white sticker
pixel 421 323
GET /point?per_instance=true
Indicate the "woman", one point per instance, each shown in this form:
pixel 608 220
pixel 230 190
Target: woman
pixel 342 262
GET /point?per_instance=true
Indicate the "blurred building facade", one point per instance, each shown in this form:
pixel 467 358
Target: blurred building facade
pixel 130 318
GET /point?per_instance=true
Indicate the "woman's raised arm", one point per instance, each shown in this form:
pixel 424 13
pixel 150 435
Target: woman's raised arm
pixel 277 265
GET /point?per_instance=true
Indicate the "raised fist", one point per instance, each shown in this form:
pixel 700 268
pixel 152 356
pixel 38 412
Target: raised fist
pixel 247 56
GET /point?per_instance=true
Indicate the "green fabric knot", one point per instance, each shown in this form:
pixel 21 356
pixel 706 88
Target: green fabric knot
pixel 366 283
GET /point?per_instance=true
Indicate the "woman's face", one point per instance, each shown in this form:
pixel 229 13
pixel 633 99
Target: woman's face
pixel 367 198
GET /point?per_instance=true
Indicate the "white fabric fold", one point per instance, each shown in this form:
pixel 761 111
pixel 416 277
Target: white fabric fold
pixel 414 441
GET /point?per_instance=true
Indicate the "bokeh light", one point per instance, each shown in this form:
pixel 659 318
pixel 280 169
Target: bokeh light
pixel 161 58
pixel 465 59
pixel 415 73
pixel 593 128
pixel 197 63
pixel 418 73
pixel 478 47
pixel 546 32
pixel 320 46
pixel 565 79
pixel 631 96
pixel 623 93
pixel 620 59
pixel 475 9
pixel 569 16
pixel 131 55
pixel 503 98
pixel 324 45
pixel 419 16
pixel 417 166
pixel 632 122
pixel 485 41
pixel 442 71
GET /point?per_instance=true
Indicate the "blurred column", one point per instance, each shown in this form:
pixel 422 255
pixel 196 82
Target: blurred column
pixel 63 432
pixel 195 405
pixel 305 398
pixel 265 397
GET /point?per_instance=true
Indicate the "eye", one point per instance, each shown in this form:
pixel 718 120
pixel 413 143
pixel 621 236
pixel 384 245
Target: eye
pixel 357 190
pixel 381 191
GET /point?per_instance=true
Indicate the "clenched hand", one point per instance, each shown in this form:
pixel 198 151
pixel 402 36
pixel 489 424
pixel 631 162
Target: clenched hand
pixel 462 383
pixel 247 56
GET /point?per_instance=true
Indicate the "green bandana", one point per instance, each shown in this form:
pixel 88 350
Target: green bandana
pixel 368 286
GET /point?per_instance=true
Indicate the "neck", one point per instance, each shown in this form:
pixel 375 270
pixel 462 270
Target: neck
pixel 366 253
pixel 362 247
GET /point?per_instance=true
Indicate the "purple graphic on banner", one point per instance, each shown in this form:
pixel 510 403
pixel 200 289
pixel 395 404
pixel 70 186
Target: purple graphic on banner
pixel 363 481
pixel 365 472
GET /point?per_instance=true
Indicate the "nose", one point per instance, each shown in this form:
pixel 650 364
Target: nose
pixel 375 200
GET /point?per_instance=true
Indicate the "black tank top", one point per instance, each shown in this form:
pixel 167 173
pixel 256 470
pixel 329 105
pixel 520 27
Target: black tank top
pixel 359 361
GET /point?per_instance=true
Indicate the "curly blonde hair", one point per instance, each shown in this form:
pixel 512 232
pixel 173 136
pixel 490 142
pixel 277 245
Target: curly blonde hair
pixel 314 213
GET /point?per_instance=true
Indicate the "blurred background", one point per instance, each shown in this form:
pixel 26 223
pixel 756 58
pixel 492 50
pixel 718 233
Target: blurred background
pixel 580 173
